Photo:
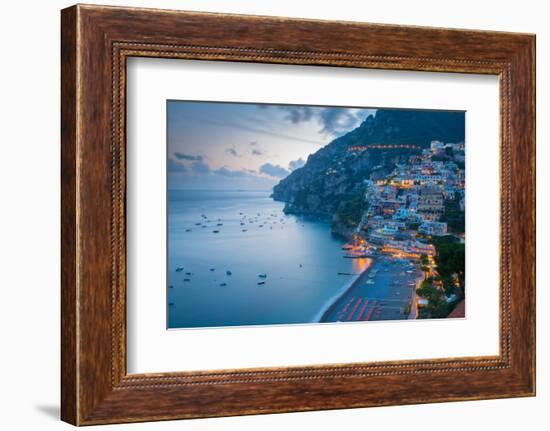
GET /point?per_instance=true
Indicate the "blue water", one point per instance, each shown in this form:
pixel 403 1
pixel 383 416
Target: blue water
pixel 299 256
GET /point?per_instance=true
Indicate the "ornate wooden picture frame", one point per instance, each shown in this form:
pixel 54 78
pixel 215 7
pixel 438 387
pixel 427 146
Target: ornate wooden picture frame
pixel 96 41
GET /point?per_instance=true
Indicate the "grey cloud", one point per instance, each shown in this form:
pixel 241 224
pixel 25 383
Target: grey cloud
pixel 230 173
pixel 298 114
pixel 333 120
pixel 200 168
pixel 273 170
pixel 232 151
pixel 295 164
pixel 182 156
pixel 337 120
pixel 174 166
pixel 256 151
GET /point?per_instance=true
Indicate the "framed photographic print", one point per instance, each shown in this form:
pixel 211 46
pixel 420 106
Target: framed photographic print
pixel 258 216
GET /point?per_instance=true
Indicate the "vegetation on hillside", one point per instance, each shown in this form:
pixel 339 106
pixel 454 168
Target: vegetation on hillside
pixel 350 212
pixel 450 266
pixel 453 216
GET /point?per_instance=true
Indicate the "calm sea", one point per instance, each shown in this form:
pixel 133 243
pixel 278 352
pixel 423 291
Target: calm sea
pixel 299 257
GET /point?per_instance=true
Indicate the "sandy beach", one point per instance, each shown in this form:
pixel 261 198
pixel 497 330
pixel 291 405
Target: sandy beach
pixel 382 292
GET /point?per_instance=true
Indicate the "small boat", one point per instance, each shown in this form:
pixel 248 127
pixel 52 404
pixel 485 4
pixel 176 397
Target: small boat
pixel 223 284
pixel 245 230
pixel 170 287
pixel 212 269
pixel 215 231
pixel 219 224
pixel 203 226
pixel 186 279
pixel 198 224
pixel 188 273
pixel 260 283
pixel 171 303
pixel 242 224
pixel 262 275
pixel 228 272
pixel 261 225
pixel 179 269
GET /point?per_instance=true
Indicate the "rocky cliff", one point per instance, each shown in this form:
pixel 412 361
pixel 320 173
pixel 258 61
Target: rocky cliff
pixel 329 184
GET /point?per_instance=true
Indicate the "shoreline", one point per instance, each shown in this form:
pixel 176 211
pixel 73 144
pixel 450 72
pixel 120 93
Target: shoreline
pixel 380 292
pixel 326 311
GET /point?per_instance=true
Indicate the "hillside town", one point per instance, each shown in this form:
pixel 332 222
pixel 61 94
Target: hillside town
pixel 416 214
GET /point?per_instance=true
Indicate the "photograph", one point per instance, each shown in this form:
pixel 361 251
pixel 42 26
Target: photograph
pixel 299 214
pixel 303 214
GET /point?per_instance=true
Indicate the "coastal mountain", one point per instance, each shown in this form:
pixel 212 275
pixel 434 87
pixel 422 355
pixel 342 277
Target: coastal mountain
pixel 330 184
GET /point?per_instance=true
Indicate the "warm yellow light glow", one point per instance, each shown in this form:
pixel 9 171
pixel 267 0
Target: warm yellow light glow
pixel 359 265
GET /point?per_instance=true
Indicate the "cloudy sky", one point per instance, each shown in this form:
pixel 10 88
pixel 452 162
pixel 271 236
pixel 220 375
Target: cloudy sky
pixel 215 145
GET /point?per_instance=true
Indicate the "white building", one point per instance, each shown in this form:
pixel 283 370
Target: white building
pixel 401 214
pixel 437 146
pixel 393 225
pixel 433 228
